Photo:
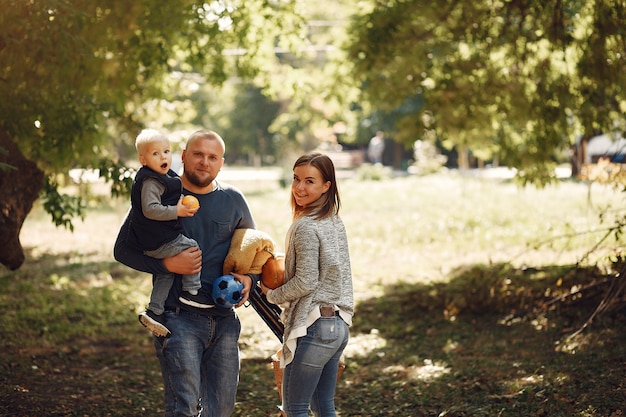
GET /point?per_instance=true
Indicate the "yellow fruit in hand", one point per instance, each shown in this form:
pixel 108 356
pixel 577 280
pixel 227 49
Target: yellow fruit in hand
pixel 191 201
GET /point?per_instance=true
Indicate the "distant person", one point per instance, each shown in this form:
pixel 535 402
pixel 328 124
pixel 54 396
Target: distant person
pixel 156 205
pixel 317 294
pixel 376 148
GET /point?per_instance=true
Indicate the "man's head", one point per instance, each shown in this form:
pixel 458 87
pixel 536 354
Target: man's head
pixel 154 151
pixel 203 159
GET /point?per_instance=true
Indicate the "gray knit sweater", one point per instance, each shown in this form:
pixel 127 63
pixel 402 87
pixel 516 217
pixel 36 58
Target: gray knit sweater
pixel 317 271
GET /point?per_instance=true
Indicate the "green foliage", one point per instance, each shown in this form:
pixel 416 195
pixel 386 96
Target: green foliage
pixel 312 81
pixel 119 176
pixel 75 73
pixel 373 172
pixel 516 81
pixel 428 159
pixel 67 65
pixel 508 80
pixel 62 207
pixel 248 131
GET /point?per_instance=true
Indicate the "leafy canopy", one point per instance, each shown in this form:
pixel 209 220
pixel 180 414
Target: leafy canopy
pixel 516 80
pixel 73 73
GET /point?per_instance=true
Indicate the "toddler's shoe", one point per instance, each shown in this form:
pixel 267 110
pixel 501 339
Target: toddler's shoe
pixel 154 323
pixel 198 300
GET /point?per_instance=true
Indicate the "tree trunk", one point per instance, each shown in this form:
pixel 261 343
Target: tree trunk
pixel 19 188
pixel 463 159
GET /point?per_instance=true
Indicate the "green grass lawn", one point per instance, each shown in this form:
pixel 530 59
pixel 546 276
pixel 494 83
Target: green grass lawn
pixel 455 283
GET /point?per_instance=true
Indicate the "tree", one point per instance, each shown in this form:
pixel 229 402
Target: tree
pixel 71 71
pixel 249 124
pixel 518 80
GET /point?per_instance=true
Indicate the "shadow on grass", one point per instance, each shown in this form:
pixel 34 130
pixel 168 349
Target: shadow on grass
pixel 71 344
pixel 489 342
pixel 492 341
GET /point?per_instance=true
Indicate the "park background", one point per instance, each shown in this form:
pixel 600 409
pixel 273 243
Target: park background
pixel 487 246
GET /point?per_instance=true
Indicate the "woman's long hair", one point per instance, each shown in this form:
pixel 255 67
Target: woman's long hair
pixel 329 203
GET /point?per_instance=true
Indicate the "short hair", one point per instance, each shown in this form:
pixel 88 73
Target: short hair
pixel 207 134
pixel 330 202
pixel 148 136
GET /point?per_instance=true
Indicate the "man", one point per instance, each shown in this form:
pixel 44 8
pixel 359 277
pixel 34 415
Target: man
pixel 376 147
pixel 200 359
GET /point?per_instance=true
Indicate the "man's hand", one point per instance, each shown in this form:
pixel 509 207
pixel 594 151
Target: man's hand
pixel 187 262
pixel 247 286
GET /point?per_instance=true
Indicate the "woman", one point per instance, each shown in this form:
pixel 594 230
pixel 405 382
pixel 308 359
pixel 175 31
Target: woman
pixel 317 294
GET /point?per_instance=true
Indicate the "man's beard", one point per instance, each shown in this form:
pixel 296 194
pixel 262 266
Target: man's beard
pixel 195 180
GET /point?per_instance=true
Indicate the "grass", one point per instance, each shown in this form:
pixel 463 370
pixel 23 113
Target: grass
pixel 454 280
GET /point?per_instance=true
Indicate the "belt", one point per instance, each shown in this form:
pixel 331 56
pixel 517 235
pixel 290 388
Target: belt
pixel 210 312
pixel 179 310
pixel 328 311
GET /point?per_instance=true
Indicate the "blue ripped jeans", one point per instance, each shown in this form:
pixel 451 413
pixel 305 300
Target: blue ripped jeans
pixel 199 364
pixel 311 378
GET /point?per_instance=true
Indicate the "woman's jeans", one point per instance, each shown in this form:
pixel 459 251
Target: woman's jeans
pixel 312 376
pixel 199 364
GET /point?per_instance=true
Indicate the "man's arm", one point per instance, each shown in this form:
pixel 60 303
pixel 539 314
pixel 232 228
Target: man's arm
pixel 186 262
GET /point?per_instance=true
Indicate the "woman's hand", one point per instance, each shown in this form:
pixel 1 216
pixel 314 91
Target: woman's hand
pixel 264 289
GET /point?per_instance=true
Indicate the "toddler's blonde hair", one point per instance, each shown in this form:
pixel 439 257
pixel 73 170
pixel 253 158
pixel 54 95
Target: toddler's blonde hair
pixel 148 136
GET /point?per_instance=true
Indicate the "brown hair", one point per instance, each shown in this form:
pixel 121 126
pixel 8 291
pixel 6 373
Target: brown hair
pixel 329 202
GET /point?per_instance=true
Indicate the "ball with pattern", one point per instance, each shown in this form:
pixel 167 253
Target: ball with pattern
pixel 227 291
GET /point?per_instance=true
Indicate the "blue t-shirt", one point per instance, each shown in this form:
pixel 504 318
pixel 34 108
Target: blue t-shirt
pixel 221 212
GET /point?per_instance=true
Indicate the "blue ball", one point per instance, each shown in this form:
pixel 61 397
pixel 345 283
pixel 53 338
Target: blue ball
pixel 227 291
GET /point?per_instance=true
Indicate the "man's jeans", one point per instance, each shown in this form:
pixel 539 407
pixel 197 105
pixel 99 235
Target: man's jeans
pixel 199 364
pixel 312 376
